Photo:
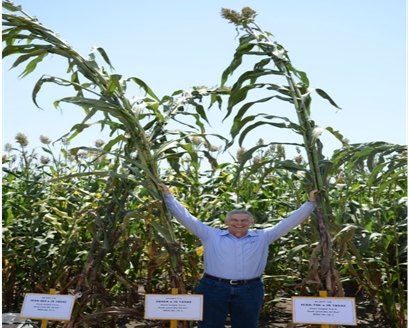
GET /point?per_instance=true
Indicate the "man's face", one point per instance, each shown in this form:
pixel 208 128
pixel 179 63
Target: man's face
pixel 239 224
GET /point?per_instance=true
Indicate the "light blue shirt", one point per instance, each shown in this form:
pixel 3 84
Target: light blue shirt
pixel 229 257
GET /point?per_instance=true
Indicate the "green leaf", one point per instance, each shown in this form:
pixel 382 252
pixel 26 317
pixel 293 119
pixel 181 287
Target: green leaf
pixel 336 134
pixel 300 74
pixel 164 148
pixel 237 60
pixel 32 65
pixel 293 251
pixel 144 86
pixel 290 166
pixel 240 95
pixel 286 125
pixel 253 76
pixel 324 95
pixel 103 54
pixel 10 6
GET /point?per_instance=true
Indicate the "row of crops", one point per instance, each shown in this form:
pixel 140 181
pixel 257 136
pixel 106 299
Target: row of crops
pixel 91 220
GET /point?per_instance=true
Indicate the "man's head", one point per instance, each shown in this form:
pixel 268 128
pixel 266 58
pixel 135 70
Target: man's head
pixel 239 222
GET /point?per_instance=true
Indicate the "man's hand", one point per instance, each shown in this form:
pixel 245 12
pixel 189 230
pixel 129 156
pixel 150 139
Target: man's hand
pixel 312 195
pixel 164 187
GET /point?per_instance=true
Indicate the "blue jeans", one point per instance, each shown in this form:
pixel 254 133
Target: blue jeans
pixel 242 302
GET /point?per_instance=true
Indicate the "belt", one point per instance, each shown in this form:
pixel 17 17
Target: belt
pixel 231 281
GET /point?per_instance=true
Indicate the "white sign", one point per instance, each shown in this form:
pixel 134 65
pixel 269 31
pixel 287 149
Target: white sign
pixel 174 307
pixel 47 306
pixel 324 310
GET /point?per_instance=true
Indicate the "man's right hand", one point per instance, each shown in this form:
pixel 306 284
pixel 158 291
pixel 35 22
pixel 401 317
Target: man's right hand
pixel 164 187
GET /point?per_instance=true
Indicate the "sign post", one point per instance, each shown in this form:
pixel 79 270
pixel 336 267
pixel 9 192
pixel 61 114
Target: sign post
pixel 173 323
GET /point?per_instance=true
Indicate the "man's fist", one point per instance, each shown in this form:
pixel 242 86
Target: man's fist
pixel 164 187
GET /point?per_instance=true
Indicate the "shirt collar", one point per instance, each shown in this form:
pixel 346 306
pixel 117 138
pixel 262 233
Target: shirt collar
pixel 251 233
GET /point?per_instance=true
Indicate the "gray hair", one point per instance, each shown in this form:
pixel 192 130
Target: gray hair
pixel 239 212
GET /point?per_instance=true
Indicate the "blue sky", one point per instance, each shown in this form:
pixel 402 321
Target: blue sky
pixel 354 50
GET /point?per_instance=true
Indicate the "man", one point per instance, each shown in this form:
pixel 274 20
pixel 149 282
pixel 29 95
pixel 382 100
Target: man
pixel 234 261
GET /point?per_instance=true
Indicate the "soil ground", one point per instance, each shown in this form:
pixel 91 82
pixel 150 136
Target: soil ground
pixel 282 316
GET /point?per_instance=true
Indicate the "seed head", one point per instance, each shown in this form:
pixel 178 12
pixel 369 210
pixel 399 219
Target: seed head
pixel 82 154
pixel 45 140
pixel 340 180
pixel 247 15
pixel 280 151
pixel 22 139
pixel 257 159
pixel 99 143
pixel 8 147
pixel 197 141
pixel 299 159
pixel 240 152
pixel 44 160
pixel 213 148
pixel 231 15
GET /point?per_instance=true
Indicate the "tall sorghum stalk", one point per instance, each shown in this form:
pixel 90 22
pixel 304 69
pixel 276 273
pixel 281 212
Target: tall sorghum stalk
pixel 299 94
